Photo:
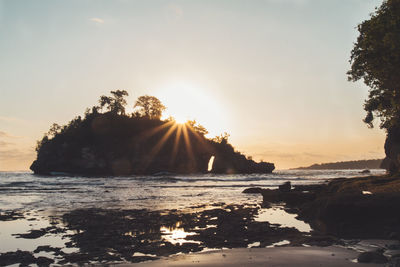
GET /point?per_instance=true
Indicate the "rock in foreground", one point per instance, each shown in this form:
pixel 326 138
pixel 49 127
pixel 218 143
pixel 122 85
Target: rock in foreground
pixel 365 207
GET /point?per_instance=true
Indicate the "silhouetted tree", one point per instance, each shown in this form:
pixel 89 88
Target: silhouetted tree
pixel 115 103
pixel 200 129
pixel 222 138
pixel 41 142
pixel 54 130
pixel 375 58
pixel 149 106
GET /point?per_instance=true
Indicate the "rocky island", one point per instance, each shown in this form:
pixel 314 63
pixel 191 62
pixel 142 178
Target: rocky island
pixel 115 143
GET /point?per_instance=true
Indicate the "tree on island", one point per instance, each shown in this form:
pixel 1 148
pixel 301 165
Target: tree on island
pixel 150 107
pixel 115 103
pixel 200 129
pixel 375 58
pixel 222 138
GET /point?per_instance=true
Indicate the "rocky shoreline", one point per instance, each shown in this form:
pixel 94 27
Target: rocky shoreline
pixel 355 208
pixel 365 207
pixel 114 235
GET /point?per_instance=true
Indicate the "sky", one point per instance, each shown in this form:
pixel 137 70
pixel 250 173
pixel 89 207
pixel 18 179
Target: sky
pixel 271 73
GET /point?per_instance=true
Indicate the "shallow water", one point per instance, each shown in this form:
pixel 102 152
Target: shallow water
pixel 10 242
pixel 40 198
pixel 26 191
pixel 277 215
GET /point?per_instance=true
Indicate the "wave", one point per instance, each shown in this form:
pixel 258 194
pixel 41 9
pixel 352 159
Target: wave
pixel 210 179
pixel 216 186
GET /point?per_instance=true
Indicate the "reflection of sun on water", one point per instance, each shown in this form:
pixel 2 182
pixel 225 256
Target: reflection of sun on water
pixel 187 102
pixel 175 234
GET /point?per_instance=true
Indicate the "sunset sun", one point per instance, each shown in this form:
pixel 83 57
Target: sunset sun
pixel 179 118
pixel 186 101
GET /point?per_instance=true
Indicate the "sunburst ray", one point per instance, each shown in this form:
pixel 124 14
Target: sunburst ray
pixel 153 131
pixel 176 143
pixel 188 146
pixel 154 151
pixel 199 138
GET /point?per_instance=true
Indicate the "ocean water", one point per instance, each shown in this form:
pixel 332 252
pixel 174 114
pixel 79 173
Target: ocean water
pixel 43 199
pixel 26 191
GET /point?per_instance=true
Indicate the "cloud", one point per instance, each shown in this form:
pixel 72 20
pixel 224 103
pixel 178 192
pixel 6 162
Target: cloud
pixel 19 154
pixel 4 143
pixel 16 159
pixel 16 153
pixel 97 20
pixel 174 12
pixel 11 119
pixel 4 134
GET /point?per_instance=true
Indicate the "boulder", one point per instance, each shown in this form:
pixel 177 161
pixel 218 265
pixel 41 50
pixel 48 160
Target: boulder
pixel 372 257
pixel 23 257
pixel 252 190
pixel 285 187
pixel 292 198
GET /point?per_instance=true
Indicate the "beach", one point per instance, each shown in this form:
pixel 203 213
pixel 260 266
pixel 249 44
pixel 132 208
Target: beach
pixel 174 220
pixel 277 256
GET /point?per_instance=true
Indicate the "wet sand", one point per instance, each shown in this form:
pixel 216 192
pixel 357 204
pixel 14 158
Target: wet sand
pixel 277 256
pixel 175 238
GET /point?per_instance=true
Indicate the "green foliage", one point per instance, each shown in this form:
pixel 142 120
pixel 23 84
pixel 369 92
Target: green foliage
pixel 115 103
pixel 375 58
pixel 150 107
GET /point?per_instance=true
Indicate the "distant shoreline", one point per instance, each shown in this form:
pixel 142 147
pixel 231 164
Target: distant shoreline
pixel 345 165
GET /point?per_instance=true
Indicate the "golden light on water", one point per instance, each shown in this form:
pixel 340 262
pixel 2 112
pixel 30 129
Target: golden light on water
pixel 175 234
